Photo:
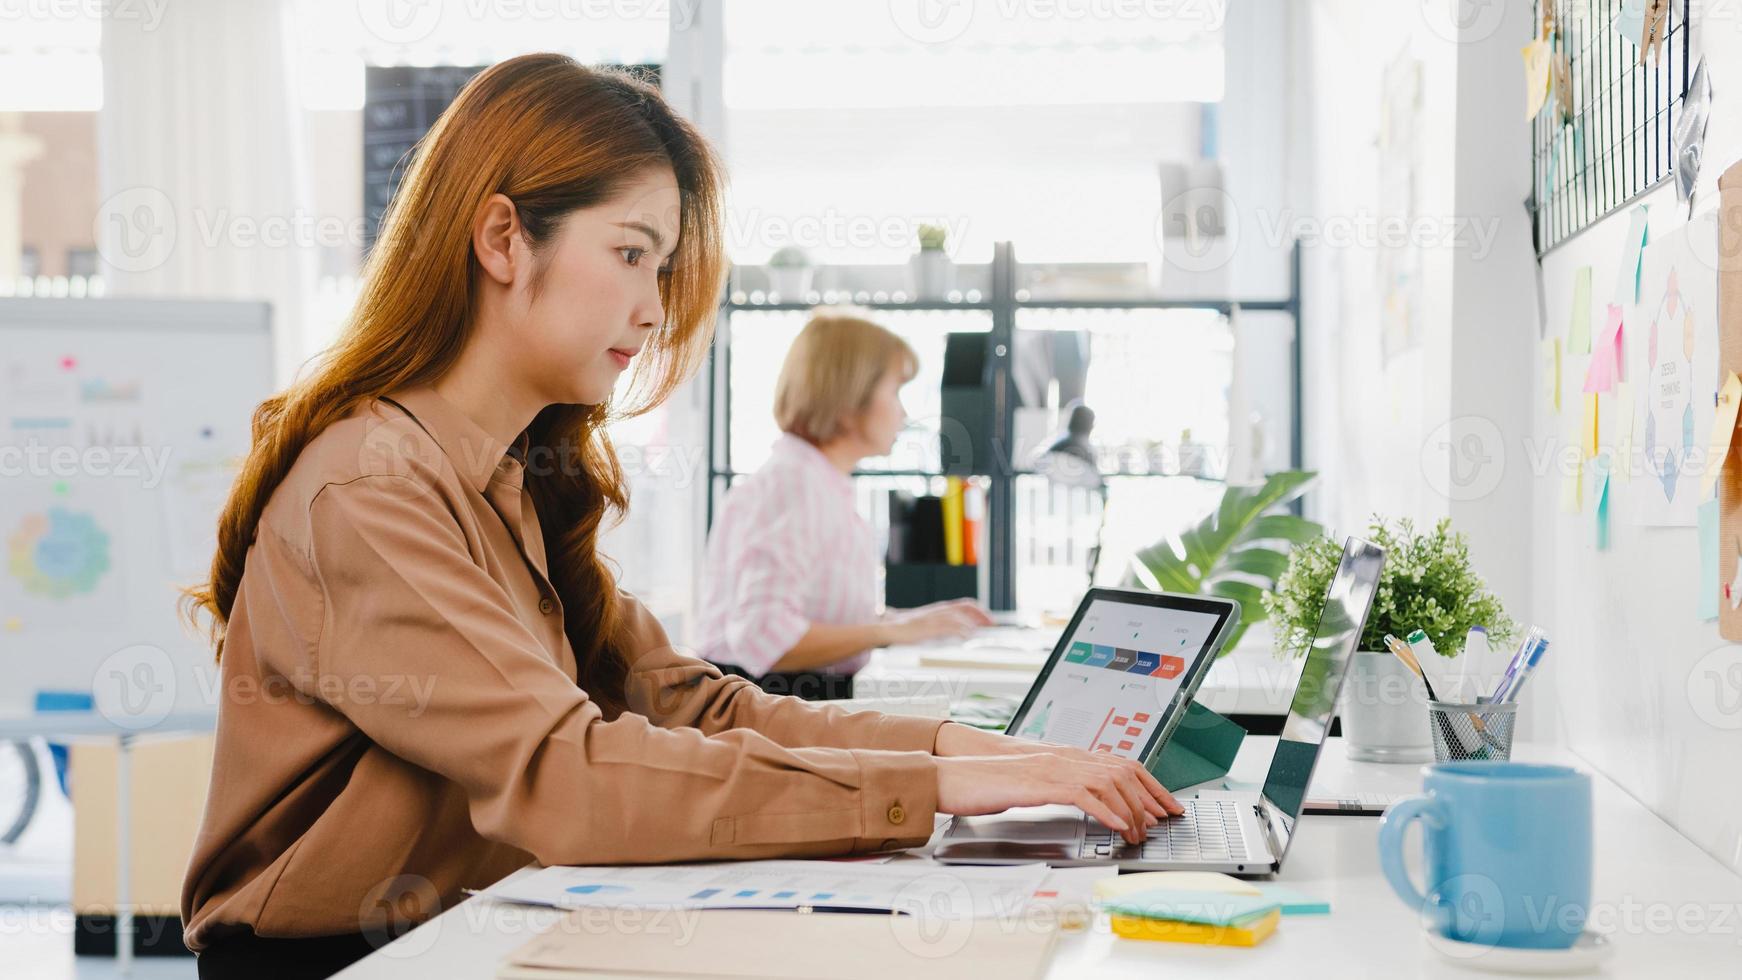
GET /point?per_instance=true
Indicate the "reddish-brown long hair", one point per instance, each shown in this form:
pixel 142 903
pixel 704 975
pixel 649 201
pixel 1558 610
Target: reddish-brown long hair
pixel 553 136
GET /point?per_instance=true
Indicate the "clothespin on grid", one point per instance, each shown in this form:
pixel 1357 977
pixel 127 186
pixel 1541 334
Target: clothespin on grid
pixel 1654 28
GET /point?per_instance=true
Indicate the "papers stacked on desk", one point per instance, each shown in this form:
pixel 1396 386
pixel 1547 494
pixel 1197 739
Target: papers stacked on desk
pixel 827 886
pixel 725 919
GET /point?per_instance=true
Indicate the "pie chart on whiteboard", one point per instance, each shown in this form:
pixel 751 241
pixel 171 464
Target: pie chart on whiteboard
pixel 58 553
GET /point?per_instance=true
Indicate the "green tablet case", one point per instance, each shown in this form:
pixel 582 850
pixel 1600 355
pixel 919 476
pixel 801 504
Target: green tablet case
pixel 1201 748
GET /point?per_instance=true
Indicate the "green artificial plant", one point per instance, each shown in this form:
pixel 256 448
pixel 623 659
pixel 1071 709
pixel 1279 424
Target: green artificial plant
pixel 1237 551
pixel 1427 584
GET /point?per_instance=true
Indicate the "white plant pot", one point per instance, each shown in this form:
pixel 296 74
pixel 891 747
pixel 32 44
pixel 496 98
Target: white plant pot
pixel 934 274
pixel 1384 711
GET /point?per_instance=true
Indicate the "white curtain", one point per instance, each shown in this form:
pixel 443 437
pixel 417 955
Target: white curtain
pixel 202 162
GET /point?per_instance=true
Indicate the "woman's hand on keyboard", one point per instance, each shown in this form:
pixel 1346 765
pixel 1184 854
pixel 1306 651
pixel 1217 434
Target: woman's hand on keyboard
pixel 956 740
pixel 1117 792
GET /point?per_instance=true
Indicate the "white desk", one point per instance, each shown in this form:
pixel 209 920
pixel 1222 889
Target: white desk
pixel 1248 680
pixel 1647 877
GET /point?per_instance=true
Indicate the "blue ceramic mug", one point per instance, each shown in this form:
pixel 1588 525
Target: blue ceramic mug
pixel 1507 848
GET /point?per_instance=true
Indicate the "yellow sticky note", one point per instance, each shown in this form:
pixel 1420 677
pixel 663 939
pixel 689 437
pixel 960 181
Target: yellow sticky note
pixel 1723 427
pixel 1579 327
pixel 1573 489
pixel 1589 430
pixel 1622 466
pixel 1537 57
pixel 1551 374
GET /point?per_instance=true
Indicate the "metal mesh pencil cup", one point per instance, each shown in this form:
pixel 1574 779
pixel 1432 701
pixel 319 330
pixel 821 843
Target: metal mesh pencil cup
pixel 1465 732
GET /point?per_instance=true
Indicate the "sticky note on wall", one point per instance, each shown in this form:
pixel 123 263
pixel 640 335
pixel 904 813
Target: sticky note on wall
pixel 1627 270
pixel 1579 328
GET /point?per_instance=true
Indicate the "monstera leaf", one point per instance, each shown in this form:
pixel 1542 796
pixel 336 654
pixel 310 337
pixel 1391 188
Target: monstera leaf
pixel 1238 551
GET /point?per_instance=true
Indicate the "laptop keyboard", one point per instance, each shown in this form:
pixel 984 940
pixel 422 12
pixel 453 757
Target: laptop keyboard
pixel 1209 830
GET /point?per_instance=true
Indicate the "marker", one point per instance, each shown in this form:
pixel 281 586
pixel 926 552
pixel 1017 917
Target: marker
pixel 1433 666
pixel 1477 653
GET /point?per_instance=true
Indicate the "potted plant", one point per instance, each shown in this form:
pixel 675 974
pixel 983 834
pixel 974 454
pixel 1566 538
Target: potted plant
pixel 1427 584
pixel 934 275
pixel 789 273
pixel 1236 552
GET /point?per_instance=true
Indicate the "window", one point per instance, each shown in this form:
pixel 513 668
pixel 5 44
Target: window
pixel 846 125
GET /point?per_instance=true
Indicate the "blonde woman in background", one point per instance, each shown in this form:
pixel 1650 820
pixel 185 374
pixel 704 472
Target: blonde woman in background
pixel 792 583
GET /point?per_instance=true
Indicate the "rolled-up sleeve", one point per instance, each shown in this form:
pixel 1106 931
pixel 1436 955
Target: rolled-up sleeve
pixel 406 605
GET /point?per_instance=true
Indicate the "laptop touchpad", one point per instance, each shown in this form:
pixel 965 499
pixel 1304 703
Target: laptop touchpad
pixel 1028 824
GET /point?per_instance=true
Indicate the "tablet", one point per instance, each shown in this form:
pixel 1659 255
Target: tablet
pixel 1124 670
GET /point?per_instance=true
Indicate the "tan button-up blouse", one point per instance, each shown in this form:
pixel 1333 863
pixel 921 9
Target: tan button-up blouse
pixel 400 714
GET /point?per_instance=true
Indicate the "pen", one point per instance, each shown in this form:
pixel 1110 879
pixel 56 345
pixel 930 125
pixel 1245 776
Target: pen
pixel 1517 661
pixel 1510 693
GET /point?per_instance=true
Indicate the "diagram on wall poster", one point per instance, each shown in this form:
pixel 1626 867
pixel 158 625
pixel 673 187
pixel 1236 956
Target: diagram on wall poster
pixel 1673 332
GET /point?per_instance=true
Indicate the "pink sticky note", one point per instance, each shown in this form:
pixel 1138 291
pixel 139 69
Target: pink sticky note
pixel 1605 367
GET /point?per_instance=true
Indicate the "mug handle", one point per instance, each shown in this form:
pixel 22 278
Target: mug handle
pixel 1392 825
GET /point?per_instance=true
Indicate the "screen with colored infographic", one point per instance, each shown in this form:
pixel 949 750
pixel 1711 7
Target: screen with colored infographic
pixel 1121 666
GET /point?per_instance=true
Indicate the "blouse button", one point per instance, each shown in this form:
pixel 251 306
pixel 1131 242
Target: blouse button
pixel 897 814
pixel 545 605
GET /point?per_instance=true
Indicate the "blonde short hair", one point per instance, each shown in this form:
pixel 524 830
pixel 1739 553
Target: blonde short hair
pixel 832 371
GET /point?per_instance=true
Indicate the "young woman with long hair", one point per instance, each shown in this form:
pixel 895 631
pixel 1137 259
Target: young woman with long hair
pixel 429 677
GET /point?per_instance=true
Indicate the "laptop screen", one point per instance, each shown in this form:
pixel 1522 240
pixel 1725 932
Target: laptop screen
pixel 1110 682
pixel 1321 677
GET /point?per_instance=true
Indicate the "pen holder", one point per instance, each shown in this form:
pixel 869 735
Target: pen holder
pixel 1464 732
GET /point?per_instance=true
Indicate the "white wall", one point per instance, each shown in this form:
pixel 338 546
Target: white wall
pixel 1630 684
pixel 1637 668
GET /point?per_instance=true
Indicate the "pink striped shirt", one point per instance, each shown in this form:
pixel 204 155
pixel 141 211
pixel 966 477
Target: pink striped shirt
pixel 788 549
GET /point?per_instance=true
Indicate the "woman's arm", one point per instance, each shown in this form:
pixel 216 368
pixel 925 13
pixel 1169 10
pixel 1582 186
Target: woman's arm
pixel 540 768
pixel 824 644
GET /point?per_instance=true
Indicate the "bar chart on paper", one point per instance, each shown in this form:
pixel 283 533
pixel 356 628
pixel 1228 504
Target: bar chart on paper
pixel 779 885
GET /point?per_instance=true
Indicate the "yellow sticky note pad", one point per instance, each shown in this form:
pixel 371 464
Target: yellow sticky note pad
pixel 1248 933
pixel 1588 431
pixel 1723 428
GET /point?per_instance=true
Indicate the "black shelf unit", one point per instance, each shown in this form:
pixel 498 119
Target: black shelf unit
pixel 1002 303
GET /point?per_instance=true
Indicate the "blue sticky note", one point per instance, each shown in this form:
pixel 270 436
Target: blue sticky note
pixel 1602 510
pixel 1183 905
pixel 1708 514
pixel 1632 246
pixel 1293 902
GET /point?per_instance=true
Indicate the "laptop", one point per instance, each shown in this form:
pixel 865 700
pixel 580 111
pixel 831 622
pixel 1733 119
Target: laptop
pixel 1232 831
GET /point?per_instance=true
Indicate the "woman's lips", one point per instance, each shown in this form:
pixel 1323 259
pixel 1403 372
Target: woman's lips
pixel 621 357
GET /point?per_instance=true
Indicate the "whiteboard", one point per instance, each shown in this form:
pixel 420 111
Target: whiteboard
pixel 122 425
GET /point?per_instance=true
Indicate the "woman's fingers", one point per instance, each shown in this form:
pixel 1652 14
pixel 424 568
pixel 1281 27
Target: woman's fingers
pixel 1095 807
pixel 1158 800
pixel 1102 782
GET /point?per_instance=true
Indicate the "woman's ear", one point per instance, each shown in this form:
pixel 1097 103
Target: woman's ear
pixel 496 238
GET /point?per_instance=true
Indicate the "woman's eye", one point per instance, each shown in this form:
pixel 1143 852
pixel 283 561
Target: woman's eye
pixel 631 254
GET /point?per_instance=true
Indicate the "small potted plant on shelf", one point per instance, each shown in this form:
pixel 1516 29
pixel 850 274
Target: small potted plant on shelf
pixel 1427 584
pixel 789 273
pixel 934 275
